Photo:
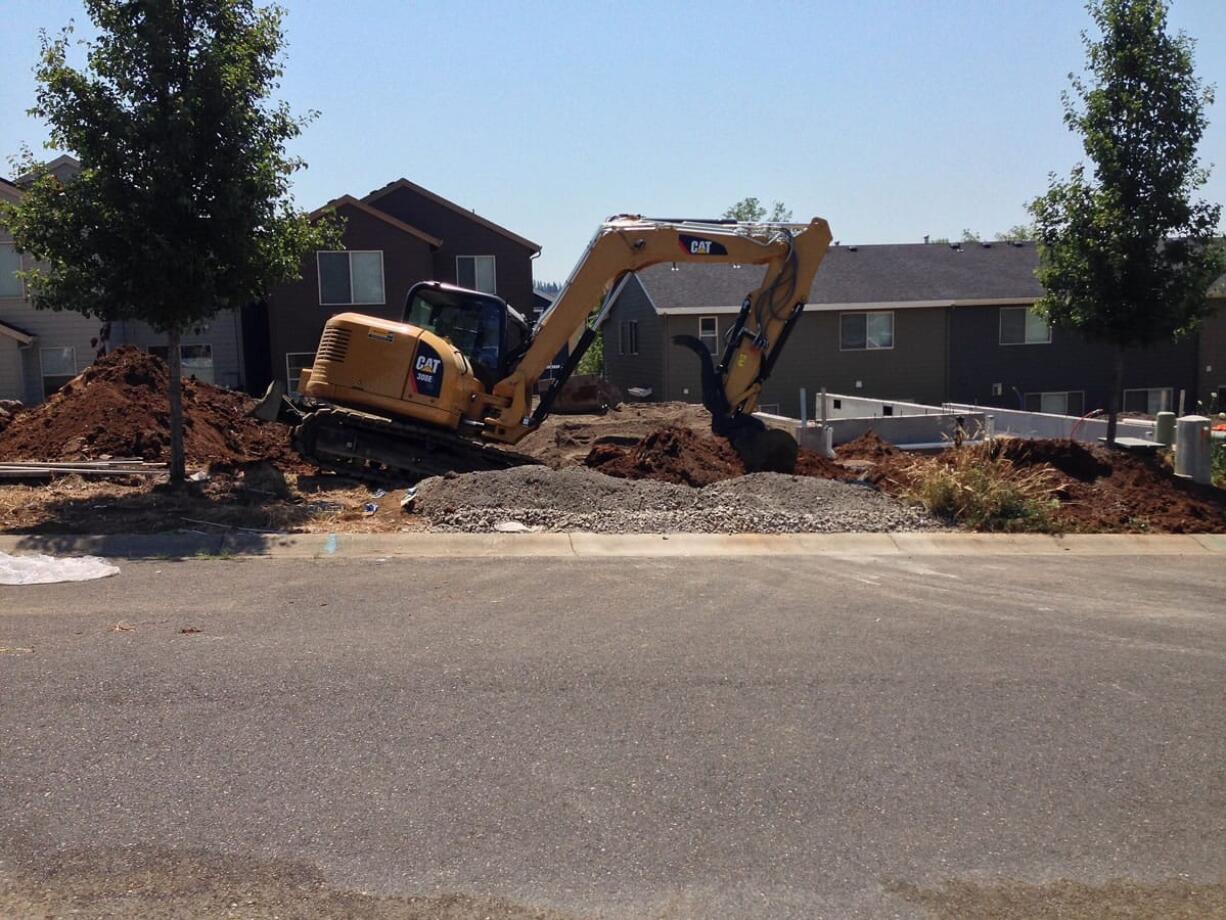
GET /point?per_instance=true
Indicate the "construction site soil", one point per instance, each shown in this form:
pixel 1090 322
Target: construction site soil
pixel 1094 490
pixel 637 467
pixel 118 408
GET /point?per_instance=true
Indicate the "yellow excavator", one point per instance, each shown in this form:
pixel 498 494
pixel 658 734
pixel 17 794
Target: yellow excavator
pixel 452 383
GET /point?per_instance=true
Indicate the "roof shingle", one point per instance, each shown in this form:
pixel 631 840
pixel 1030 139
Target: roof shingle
pixel 889 273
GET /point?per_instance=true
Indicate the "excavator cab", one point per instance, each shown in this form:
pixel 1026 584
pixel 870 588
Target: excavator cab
pixel 483 327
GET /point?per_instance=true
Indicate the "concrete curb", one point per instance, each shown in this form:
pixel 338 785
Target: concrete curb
pixel 591 545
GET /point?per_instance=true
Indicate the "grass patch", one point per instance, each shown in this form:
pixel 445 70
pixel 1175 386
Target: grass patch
pixel 971 487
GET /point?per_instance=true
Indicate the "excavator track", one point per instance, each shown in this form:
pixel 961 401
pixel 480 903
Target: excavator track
pixel 387 451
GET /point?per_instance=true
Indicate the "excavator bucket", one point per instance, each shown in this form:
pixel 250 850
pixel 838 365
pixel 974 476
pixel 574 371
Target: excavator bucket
pixel 761 449
pixel 275 406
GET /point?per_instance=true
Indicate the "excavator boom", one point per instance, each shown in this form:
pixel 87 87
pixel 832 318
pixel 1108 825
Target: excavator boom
pixel 455 379
pixel 732 380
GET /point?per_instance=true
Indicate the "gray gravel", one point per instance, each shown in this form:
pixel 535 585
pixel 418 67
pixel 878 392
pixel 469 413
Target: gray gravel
pixel 580 499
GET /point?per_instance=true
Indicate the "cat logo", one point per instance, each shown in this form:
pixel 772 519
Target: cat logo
pixel 697 246
pixel 428 365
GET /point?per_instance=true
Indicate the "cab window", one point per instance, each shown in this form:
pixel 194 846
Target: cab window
pixel 473 325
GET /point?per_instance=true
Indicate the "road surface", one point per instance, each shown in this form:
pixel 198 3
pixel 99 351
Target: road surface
pixel 910 737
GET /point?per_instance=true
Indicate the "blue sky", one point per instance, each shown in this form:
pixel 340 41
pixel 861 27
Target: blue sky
pixel 890 119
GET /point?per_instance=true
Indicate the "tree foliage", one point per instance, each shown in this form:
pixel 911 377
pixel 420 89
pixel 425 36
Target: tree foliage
pixel 751 210
pixel 1017 232
pixel 1126 254
pixel 182 204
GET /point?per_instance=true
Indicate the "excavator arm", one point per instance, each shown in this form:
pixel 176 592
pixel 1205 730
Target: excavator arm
pixel 731 387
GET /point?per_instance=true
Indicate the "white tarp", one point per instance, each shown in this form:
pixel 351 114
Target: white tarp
pixel 46 570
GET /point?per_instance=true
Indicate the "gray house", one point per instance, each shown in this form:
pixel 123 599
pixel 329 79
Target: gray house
pixel 40 350
pixel 923 322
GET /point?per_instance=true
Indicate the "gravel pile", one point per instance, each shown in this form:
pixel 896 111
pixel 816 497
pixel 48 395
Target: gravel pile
pixel 580 499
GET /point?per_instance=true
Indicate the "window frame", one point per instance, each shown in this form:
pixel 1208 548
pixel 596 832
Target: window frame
pixel 319 278
pixel 702 336
pixel 182 345
pixel 866 314
pixel 1170 398
pixel 492 258
pixel 1000 332
pixel 291 383
pixel 42 367
pixel 628 338
pixel 1064 393
pixel 22 291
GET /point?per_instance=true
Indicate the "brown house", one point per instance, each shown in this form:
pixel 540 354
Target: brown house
pixel 394 237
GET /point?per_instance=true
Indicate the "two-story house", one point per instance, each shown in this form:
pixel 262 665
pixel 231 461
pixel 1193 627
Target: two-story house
pixel 41 350
pixel 924 322
pixel 393 238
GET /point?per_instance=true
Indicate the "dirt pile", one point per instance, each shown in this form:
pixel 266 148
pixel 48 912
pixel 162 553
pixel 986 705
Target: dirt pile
pixel 677 455
pixel 685 457
pixel 118 408
pixel 1096 490
pixel 869 446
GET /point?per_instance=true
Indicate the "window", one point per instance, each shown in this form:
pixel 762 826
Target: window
pixel 59 366
pixel 628 338
pixel 295 363
pixel 1148 402
pixel 1023 326
pixel 708 333
pixel 347 278
pixel 1060 403
pixel 476 273
pixel 866 331
pixel 10 264
pixel 194 360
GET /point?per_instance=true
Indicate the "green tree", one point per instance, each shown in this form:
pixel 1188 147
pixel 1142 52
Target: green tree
pixel 970 236
pixel 182 205
pixel 1017 232
pixel 751 210
pixel 1125 254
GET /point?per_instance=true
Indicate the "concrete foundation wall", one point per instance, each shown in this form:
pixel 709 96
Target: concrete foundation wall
pixel 901 430
pixel 1038 425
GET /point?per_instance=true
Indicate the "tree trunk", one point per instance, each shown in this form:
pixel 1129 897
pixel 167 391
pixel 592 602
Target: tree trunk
pixel 1113 399
pixel 178 463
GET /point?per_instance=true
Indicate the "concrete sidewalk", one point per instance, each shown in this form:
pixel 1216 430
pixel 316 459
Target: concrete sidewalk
pixel 590 545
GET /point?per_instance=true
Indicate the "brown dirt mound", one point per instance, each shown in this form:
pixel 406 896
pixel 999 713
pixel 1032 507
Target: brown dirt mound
pixel 118 407
pixel 1067 456
pixel 1099 491
pixel 684 457
pixel 676 455
pixel 869 446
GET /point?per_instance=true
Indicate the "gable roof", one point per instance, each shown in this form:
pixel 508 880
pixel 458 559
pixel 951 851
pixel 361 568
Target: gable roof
pixel 440 200
pixel 350 201
pixel 918 274
pixel 16 332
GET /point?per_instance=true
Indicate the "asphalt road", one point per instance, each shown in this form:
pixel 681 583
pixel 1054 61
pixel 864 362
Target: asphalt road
pixel 827 737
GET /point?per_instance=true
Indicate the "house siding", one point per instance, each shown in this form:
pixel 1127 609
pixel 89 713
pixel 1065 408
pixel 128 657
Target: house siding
pixel 22 368
pixel 464 237
pixel 11 385
pixel 222 333
pixel 295 316
pixel 913 369
pixel 1067 363
pixel 646 369
pixel 1211 366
